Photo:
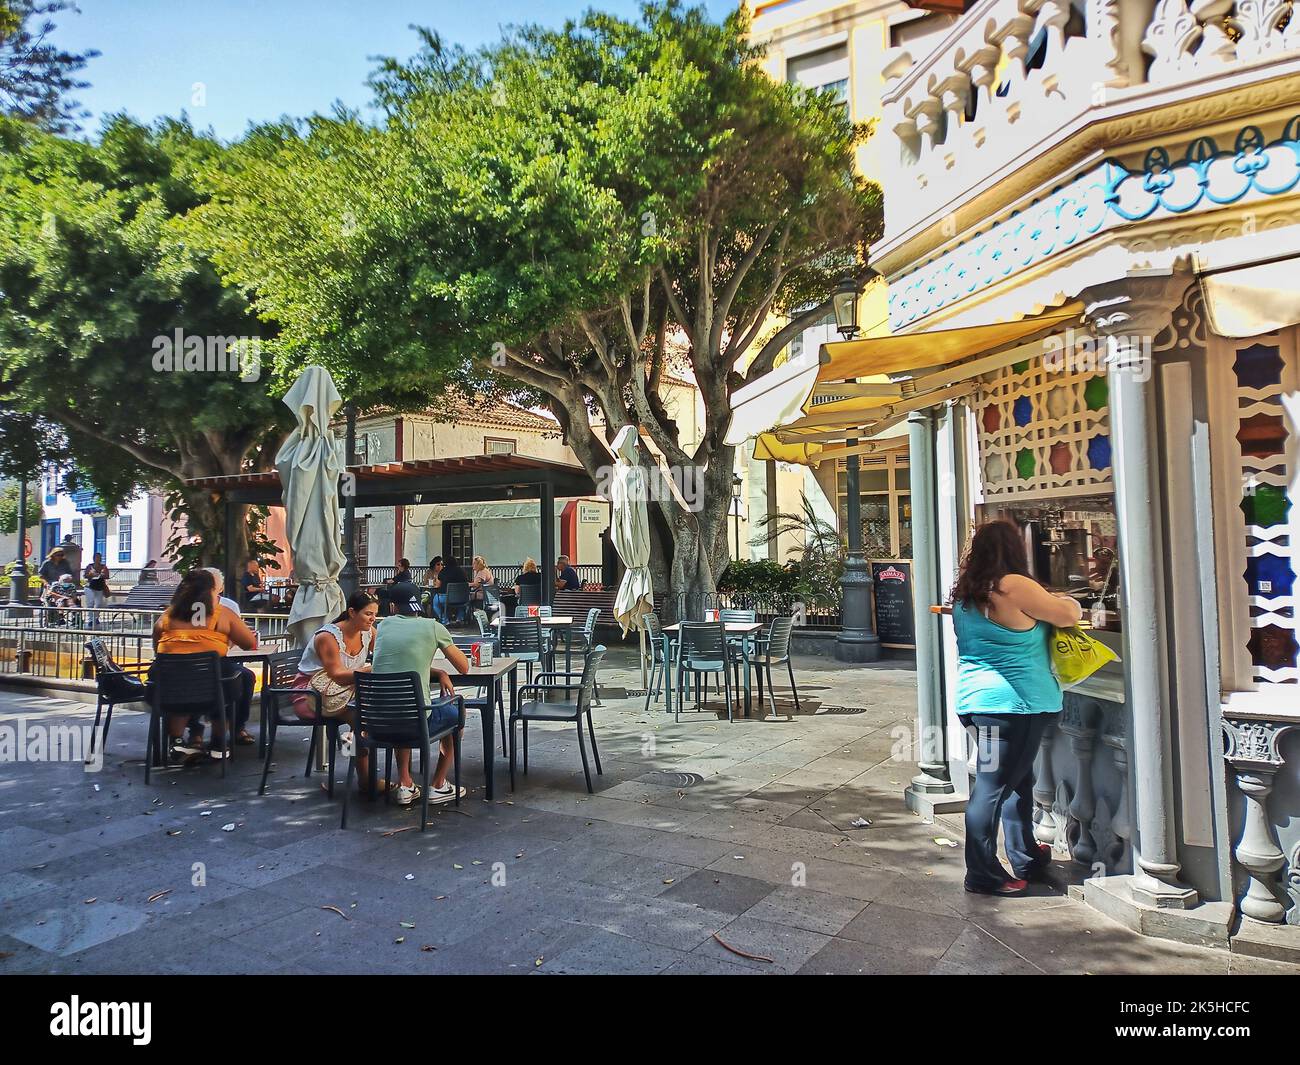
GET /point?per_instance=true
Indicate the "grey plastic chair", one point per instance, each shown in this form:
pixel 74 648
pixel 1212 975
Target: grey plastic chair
pixel 654 634
pixel 773 648
pixel 702 649
pixel 569 710
pixel 522 638
pixel 278 699
pixel 391 712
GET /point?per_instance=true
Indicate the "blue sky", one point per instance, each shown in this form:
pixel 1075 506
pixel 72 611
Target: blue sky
pixel 259 59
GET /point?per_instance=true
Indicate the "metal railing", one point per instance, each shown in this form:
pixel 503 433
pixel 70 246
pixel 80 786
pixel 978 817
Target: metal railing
pixel 60 653
pixel 505 575
pixel 101 620
pixel 808 612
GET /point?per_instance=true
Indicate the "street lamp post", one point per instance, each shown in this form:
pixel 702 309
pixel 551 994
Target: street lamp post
pixel 857 641
pixel 18 579
pixel 735 503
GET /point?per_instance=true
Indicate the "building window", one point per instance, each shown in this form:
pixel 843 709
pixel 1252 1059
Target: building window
pixel 124 538
pixel 458 542
pixel 76 533
pixel 826 71
pixel 885 500
pixel 496 445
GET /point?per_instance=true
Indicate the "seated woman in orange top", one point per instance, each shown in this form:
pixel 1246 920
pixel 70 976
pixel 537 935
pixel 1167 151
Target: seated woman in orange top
pixel 196 622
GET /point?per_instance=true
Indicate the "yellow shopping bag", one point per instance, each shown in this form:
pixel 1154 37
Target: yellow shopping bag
pixel 1076 656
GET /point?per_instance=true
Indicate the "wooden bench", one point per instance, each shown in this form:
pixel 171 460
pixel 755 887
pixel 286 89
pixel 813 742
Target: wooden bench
pixel 577 603
pixel 148 596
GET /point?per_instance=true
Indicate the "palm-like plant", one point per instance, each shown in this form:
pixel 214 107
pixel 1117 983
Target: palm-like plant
pixel 821 556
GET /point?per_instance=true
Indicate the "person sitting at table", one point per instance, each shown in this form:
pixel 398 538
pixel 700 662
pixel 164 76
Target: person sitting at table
pixel 331 661
pixel 566 577
pixel 480 577
pixel 403 574
pixel 254 587
pixel 407 643
pixel 437 589
pixel 450 573
pixel 240 678
pixel 196 621
pixel 529 577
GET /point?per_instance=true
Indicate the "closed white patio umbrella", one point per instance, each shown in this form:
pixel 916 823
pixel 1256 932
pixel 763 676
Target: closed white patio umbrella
pixel 630 531
pixel 310 464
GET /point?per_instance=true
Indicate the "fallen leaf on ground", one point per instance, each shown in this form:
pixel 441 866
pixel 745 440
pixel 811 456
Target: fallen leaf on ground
pixel 89 901
pixel 157 895
pixel 406 924
pixel 944 841
pixel 394 831
pixel 455 866
pixel 335 909
pixel 228 828
pixel 859 822
pixel 409 876
pixel 428 946
pixel 400 939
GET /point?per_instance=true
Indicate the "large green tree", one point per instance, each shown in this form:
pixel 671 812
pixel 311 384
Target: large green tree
pixel 96 278
pixel 564 215
pixel 36 75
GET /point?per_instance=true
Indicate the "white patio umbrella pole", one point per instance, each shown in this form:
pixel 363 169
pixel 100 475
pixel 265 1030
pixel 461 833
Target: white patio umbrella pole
pixel 310 466
pixel 630 531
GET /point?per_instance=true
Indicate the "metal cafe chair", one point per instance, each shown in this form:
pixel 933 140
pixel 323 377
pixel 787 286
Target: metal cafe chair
pixel 484 626
pixel 522 638
pixel 188 685
pixel 530 595
pixel 391 713
pixel 569 710
pixel 736 644
pixel 658 661
pixel 702 649
pixel 457 601
pixel 773 648
pixel 278 699
pixel 114 684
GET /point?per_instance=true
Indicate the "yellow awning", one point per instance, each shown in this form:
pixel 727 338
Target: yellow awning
pixel 913 352
pixel 781 407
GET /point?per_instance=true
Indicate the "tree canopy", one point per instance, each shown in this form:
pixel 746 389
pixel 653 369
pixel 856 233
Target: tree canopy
pixel 564 214
pixel 96 274
pixel 36 76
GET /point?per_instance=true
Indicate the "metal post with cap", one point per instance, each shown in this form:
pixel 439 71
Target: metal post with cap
pixel 857 640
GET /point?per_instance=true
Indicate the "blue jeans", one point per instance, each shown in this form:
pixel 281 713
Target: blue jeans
pixel 440 606
pixel 1006 746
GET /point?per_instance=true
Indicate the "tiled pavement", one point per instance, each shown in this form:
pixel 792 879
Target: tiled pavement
pixel 700 833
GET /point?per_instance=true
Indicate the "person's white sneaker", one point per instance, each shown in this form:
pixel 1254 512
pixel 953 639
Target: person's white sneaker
pixel 446 793
pixel 406 796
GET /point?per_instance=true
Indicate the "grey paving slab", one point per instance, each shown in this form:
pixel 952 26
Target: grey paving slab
pixel 706 827
pixel 720 891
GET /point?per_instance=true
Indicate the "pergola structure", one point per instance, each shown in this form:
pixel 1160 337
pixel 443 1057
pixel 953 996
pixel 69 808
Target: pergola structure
pixel 470 479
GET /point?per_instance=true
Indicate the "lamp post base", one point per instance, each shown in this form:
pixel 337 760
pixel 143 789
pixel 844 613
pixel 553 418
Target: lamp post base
pixel 857 641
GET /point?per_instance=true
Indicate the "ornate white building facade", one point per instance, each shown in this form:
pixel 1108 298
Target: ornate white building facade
pixel 1131 174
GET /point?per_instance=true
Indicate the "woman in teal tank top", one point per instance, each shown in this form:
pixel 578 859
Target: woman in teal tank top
pixel 1007 691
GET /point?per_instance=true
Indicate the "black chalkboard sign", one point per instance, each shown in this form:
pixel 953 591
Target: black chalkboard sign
pixel 892 584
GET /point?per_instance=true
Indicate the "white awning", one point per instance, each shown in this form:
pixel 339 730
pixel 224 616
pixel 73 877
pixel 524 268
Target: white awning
pixel 1253 299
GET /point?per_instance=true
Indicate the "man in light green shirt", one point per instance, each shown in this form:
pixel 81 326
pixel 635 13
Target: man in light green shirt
pixel 406 643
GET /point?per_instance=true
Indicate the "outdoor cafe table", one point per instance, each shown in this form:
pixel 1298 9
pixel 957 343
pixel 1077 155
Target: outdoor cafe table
pixel 488 677
pixel 741 631
pixel 554 623
pixel 261 653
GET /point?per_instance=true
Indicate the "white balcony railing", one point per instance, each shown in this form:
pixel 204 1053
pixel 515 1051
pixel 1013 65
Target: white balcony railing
pixel 1011 72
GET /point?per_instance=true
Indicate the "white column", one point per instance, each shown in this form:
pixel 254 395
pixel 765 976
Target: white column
pixel 1128 313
